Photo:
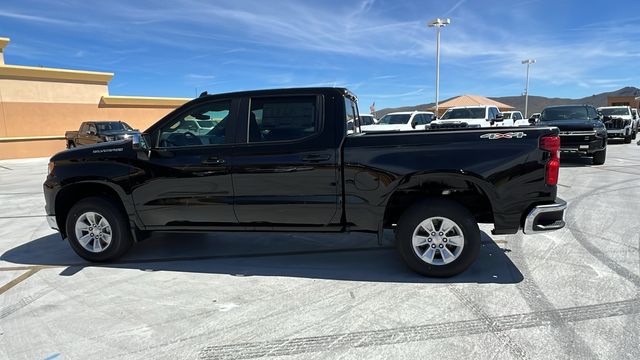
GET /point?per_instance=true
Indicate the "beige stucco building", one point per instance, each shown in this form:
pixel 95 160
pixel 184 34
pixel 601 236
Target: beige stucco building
pixel 38 104
pixel 633 101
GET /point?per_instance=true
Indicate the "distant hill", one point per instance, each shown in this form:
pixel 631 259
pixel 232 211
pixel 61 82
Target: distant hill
pixel 536 103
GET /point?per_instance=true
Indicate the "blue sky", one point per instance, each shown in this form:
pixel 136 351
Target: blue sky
pixel 381 49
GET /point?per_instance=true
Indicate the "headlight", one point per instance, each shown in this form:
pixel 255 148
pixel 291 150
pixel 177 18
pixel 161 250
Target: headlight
pixel 51 166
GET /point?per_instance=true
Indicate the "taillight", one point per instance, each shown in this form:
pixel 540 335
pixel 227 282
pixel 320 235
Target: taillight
pixel 552 145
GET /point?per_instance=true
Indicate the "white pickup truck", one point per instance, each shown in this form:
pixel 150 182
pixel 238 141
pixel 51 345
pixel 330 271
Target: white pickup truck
pixel 477 116
pixel 620 122
pixel 401 121
pixel 516 117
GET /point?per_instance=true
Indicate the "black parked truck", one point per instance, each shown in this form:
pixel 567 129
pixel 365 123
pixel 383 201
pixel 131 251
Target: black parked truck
pixel 581 130
pixel 282 160
pixel 92 132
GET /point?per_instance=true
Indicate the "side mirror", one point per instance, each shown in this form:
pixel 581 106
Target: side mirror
pixel 135 141
pixel 499 117
pixel 91 133
pixel 532 121
pixel 606 117
pixel 139 141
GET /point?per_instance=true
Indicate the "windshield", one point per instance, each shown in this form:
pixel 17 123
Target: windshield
pixel 615 111
pixel 112 125
pixel 366 120
pixel 564 113
pixel 464 113
pixel 394 119
pixel 206 123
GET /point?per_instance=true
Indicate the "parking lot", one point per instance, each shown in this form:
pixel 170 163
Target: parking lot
pixel 572 293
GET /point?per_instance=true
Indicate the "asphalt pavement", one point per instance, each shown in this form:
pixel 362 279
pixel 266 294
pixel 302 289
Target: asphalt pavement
pixel 569 294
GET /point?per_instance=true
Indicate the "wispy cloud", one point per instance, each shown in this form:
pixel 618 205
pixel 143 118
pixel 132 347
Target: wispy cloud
pixel 40 19
pixel 383 49
pixel 200 77
pixel 457 5
pixel 391 96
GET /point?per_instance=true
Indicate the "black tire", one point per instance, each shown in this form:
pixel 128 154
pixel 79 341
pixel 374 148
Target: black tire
pixel 633 135
pixel 435 207
pixel 71 145
pixel 599 157
pixel 627 139
pixel 121 239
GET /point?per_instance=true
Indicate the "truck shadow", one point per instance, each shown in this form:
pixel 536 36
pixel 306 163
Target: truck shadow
pixel 350 257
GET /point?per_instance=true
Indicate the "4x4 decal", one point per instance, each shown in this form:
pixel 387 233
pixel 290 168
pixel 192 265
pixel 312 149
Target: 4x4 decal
pixel 511 135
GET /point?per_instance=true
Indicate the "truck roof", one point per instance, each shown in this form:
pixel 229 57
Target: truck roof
pixel 472 106
pixel 301 90
pixel 409 112
pixel 567 105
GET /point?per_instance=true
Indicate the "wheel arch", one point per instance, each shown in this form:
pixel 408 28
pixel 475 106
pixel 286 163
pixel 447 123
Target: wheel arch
pixel 469 190
pixel 70 194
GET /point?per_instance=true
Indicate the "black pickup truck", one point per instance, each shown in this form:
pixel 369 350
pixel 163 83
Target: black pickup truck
pixel 283 160
pixel 581 130
pixel 92 132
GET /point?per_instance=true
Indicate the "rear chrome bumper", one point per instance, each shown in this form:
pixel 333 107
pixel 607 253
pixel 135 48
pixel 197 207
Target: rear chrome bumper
pixel 545 218
pixel 51 220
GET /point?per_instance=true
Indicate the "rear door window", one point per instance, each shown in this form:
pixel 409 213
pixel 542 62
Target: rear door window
pixel 282 118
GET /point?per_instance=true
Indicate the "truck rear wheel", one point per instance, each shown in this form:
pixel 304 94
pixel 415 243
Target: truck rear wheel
pixel 438 238
pixel 627 139
pixel 98 230
pixel 71 145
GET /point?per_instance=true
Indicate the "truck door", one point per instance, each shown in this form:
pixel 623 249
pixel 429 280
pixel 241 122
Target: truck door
pixel 285 173
pixel 185 182
pixel 84 136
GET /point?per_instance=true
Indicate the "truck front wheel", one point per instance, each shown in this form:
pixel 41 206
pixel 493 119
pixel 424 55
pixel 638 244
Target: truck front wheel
pixel 98 230
pixel 438 238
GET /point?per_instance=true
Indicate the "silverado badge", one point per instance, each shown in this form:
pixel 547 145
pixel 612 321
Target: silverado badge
pixel 511 135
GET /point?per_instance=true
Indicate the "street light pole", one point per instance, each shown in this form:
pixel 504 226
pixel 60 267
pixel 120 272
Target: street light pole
pixel 438 24
pixel 526 87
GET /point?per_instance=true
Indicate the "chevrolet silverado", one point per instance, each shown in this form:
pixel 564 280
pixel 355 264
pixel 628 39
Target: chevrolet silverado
pixel 283 160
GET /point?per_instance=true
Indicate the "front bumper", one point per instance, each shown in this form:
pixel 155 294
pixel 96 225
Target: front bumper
pixel 617 133
pixel 547 217
pixel 585 142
